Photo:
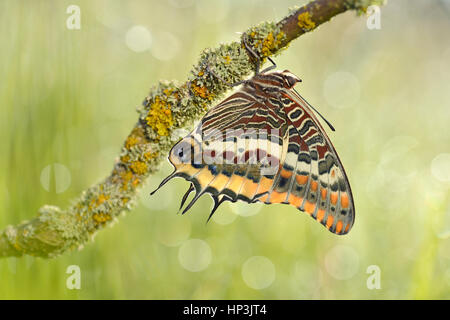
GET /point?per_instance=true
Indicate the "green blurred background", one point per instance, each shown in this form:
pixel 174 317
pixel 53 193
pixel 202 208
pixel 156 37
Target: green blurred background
pixel 68 100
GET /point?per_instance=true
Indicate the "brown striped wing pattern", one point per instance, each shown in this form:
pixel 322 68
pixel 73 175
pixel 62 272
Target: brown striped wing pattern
pixel 264 144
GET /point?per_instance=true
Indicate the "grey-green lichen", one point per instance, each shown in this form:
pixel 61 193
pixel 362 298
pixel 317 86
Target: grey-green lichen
pixel 265 39
pixel 46 235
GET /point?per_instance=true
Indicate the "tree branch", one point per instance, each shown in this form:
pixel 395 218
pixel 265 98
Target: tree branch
pixel 168 107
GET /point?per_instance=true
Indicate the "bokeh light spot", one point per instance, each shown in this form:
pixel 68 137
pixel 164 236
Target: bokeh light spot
pixel 258 272
pixel 138 39
pixel 56 177
pixel 224 217
pixel 245 209
pixel 195 255
pixel 440 167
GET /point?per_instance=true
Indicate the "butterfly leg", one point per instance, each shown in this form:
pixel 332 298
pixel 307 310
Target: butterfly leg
pixel 273 66
pixel 257 57
pixel 253 54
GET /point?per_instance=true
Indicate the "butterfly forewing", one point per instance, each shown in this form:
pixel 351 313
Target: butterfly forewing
pixel 263 143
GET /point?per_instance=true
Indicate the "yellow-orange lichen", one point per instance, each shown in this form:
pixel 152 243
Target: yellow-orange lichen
pixel 125 158
pixel 159 117
pixel 102 198
pixel 126 177
pixel 98 201
pixel 131 141
pixel 16 246
pixel 305 22
pixel 150 155
pixel 201 91
pixel 270 44
pixel 139 167
pixel 101 217
pixel 135 182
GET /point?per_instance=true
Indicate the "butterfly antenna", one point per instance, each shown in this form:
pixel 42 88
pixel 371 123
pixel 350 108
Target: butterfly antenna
pixel 309 105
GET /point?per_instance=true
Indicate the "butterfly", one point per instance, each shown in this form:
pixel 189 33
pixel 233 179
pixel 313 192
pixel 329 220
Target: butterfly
pixel 264 144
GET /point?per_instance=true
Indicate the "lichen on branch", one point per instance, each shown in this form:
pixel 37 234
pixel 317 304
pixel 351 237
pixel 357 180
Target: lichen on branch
pixel 168 107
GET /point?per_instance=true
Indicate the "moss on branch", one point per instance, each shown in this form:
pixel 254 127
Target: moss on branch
pixel 169 106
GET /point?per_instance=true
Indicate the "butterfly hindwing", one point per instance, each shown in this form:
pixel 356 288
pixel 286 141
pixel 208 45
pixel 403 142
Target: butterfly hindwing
pixel 327 197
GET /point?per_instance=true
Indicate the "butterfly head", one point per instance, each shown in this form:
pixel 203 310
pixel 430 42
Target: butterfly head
pixel 289 79
pixel 280 79
pixel 184 152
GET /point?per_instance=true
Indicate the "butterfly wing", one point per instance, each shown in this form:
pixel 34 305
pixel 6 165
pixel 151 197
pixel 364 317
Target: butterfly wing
pixel 234 152
pixel 312 177
pixel 267 150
